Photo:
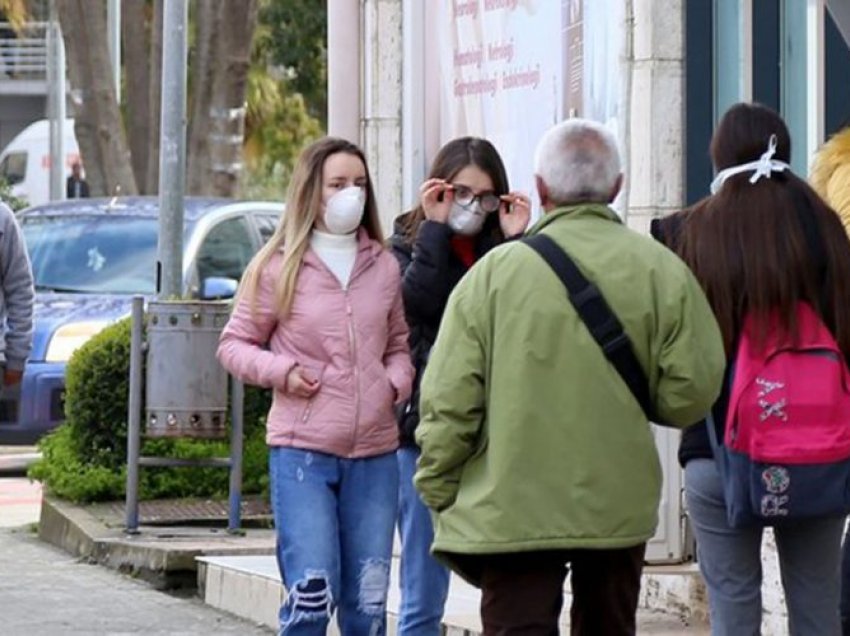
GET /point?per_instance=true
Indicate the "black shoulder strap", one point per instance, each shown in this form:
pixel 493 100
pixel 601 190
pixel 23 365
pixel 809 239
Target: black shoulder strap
pixel 602 323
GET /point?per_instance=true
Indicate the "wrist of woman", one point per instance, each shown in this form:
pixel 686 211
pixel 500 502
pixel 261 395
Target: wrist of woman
pixel 285 388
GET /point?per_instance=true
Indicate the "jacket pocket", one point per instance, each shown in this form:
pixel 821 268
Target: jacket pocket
pixel 303 414
pixel 385 405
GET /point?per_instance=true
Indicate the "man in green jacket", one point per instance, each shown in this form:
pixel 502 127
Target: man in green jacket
pixel 535 454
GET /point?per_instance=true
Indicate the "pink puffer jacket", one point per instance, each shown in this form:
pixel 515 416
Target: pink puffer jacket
pixel 354 341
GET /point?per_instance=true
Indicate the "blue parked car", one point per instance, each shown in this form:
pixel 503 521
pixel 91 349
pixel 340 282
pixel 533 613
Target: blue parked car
pixel 90 256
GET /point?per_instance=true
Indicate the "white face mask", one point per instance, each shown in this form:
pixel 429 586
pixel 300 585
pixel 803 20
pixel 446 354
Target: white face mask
pixel 467 221
pixel 344 210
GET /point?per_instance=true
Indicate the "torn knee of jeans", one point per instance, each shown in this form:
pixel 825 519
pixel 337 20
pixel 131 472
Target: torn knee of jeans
pixel 311 596
pixel 374 583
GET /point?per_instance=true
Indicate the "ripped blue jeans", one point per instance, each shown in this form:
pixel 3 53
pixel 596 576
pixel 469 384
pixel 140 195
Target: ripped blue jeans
pixel 334 519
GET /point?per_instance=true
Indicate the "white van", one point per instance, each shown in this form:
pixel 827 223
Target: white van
pixel 25 161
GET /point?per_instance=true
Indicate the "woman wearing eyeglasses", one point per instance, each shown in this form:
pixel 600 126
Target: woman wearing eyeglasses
pixel 465 209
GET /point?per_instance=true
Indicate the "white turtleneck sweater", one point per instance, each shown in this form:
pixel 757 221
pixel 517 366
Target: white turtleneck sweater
pixel 337 251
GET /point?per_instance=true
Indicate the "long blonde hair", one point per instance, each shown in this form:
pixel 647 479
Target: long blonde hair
pixel 303 206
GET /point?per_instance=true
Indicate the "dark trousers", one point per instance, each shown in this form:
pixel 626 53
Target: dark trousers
pixel 522 593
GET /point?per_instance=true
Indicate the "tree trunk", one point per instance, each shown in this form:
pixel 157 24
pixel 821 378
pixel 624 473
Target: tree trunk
pixel 100 133
pixel 155 97
pixel 237 20
pixel 203 71
pixel 135 30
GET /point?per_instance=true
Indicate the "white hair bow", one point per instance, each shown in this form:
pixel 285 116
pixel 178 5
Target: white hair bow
pixel 765 165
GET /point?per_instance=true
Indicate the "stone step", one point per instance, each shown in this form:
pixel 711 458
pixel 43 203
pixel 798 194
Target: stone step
pixel 250 587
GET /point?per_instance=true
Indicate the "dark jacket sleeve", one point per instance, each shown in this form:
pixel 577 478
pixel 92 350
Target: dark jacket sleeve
pixel 666 230
pixel 694 443
pixel 425 280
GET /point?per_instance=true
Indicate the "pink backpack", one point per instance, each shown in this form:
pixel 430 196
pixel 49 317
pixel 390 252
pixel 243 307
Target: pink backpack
pixel 786 448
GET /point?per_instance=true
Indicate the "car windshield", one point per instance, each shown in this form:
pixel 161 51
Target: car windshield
pixel 92 254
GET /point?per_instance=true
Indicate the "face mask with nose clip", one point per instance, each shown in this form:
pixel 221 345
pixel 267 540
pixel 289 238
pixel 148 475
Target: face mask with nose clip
pixel 344 210
pixel 466 220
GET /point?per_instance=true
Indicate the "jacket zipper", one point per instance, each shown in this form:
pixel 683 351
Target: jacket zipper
pixel 353 345
pixel 352 342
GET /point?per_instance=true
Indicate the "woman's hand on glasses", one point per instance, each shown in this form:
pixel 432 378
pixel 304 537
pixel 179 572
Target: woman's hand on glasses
pixel 436 197
pixel 514 213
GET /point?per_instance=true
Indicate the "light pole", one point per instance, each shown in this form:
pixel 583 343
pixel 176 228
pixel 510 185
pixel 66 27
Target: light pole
pixel 113 34
pixel 56 103
pixel 172 149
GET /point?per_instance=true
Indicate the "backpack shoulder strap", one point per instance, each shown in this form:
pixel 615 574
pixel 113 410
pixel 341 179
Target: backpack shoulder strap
pixel 597 315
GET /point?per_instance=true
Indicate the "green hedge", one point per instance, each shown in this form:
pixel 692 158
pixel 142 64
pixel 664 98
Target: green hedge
pixel 85 458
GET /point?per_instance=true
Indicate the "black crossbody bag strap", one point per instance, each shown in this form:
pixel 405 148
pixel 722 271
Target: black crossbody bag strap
pixel 602 323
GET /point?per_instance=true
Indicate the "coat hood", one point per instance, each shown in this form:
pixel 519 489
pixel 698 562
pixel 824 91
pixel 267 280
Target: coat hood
pixel 832 155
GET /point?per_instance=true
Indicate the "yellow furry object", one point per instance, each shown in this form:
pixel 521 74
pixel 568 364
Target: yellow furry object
pixel 830 175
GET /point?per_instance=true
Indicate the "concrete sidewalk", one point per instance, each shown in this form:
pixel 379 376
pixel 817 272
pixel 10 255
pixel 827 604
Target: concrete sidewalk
pixel 238 573
pixel 46 591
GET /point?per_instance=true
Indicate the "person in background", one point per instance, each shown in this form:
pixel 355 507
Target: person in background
pixel 747 245
pixel 535 454
pixel 465 209
pixel 830 177
pixel 16 300
pixel 319 319
pixel 76 187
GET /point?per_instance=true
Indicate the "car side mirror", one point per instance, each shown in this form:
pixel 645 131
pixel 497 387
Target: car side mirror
pixel 218 288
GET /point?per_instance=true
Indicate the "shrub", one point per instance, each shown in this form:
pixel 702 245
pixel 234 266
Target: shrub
pixel 6 196
pixel 85 458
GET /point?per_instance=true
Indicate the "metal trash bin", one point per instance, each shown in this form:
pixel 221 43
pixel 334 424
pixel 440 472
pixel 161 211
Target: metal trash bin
pixel 186 387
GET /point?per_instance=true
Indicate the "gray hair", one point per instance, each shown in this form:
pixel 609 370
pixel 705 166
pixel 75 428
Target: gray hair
pixel 578 161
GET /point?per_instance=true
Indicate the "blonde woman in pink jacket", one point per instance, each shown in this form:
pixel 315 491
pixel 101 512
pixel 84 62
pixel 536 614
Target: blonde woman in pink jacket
pixel 319 319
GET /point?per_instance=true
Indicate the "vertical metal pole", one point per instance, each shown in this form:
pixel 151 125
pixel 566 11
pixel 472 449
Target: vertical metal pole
pixel 56 104
pixel 237 399
pixel 172 152
pixel 113 33
pixel 134 414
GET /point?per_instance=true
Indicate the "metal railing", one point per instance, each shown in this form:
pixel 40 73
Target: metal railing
pixel 23 54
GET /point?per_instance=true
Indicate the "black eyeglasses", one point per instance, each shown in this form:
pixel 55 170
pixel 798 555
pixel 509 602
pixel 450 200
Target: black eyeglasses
pixel 465 197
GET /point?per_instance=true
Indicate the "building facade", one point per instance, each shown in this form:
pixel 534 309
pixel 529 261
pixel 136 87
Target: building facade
pixel 405 76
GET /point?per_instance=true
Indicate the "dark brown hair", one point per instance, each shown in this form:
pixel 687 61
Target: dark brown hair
pixel 451 159
pixel 748 245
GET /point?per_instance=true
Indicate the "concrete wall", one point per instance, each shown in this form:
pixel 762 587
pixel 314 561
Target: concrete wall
pixel 365 90
pixel 657 124
pixel 382 95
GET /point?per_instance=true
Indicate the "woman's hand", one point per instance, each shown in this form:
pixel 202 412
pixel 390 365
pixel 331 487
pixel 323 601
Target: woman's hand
pixel 436 197
pixel 514 213
pixel 301 383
